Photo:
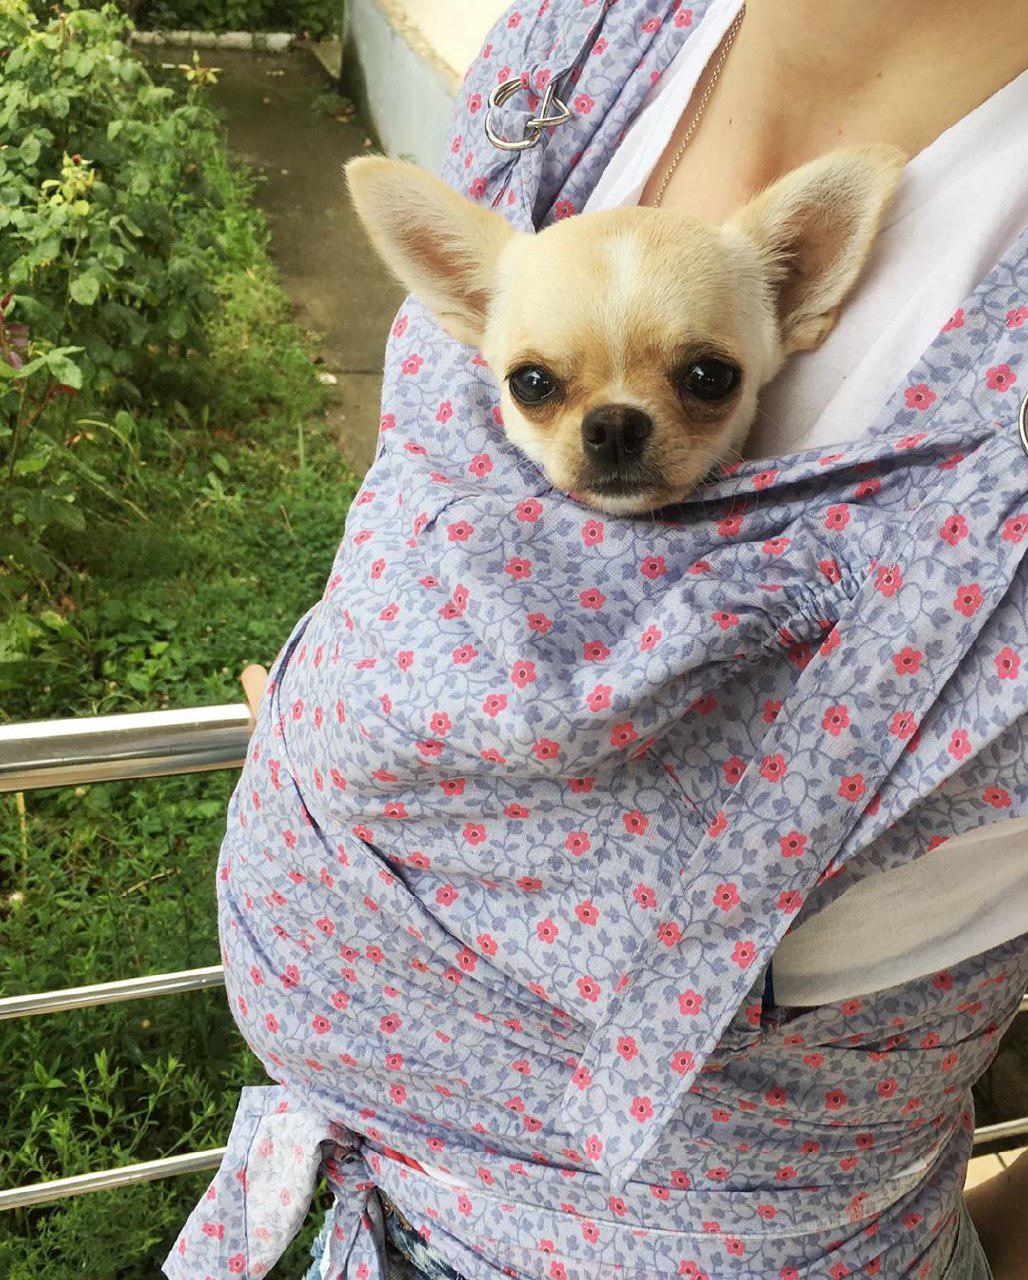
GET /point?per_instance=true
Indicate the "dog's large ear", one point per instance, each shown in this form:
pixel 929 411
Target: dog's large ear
pixel 442 247
pixel 816 226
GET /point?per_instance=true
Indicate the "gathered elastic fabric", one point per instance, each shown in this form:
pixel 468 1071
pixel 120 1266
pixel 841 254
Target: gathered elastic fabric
pixel 535 794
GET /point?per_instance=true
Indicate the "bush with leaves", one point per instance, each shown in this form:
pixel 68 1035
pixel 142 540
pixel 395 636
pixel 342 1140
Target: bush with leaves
pixel 108 242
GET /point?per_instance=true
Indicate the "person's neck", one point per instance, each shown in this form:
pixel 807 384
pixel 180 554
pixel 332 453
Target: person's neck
pixel 806 76
pixel 902 71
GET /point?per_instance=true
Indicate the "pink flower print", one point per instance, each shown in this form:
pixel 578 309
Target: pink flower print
pixel 445 412
pixel 390 1023
pixel 411 365
pixel 1008 664
pixel 744 953
pixel 446 895
pixel 577 843
pixel 776 546
pixel 853 787
pixel 903 725
pixel 682 1062
pixel 726 896
pixel 919 397
pixel 518 568
pixel 563 209
pixel 587 913
pixel 641 1109
pixel 837 517
pixel 459 531
pixel 546 931
pixel 867 488
pixel 588 989
pixel 623 735
pixel 772 706
pixel 888 580
pixel 764 479
pixel 440 723
pixel 321 1025
pixel 237 1264
pixel 908 661
pixel 968 599
pixel 954 528
pixel 726 621
pixel 592 599
pixel 514 19
pixel 529 510
pixel 599 47
pixel 474 102
pixel 653 567
pixel 583 104
pixel 480 465
pixel 793 845
pixel 599 699
pixel 1016 317
pixel 539 623
pixel 1015 528
pixel 956 321
pixel 644 896
pixel 689 1003
pixel 592 533
pixel 635 822
pixel 487 944
pixel 650 638
pixel 627 1048
pixel 959 744
pixel 835 1100
pixel 719 826
pixel 546 749
pixel 998 797
pixel 474 833
pixel 595 651
pixel 477 188
pixel 670 933
pixel 494 704
pixel 835 720
pixel 683 18
pixel 773 768
pixel 464 654
pixel 523 673
pixel 733 770
pixel 1000 377
pixel 790 900
pixel 704 704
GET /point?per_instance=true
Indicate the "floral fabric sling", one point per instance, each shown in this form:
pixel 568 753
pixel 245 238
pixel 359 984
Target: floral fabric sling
pixel 535 793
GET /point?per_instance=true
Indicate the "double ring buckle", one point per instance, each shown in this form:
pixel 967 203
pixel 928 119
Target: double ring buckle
pixel 1022 423
pixel 552 111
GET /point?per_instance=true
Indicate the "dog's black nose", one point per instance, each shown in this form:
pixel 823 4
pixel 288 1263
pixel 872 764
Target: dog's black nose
pixel 615 434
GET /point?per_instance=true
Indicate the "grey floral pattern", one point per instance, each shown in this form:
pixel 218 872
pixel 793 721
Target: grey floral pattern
pixel 535 793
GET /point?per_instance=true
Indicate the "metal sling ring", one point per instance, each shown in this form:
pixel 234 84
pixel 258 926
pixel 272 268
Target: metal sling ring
pixel 1022 422
pixel 552 111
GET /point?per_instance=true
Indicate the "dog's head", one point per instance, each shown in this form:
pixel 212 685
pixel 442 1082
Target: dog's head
pixel 630 344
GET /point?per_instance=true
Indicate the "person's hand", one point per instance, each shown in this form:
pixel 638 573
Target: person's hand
pixel 253 680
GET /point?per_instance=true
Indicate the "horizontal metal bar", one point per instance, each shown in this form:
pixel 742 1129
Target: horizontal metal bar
pixel 147 744
pixel 149 1171
pixel 158 984
pixel 1001 1132
pixel 195 1161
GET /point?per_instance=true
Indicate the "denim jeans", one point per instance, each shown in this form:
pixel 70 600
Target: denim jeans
pixel 968 1261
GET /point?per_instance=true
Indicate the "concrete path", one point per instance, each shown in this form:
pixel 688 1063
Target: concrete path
pixel 340 290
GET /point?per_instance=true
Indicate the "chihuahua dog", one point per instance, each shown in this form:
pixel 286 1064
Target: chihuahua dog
pixel 630 344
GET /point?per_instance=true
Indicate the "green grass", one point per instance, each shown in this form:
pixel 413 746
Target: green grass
pixel 243 502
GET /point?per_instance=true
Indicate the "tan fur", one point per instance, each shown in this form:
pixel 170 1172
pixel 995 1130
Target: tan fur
pixel 612 303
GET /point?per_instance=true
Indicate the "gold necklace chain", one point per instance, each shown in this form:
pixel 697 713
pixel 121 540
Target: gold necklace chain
pixel 733 31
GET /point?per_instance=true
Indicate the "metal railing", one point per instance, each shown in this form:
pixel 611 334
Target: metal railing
pixel 63 753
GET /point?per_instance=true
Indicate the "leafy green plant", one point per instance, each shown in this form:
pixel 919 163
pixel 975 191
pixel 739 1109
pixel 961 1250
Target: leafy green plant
pixel 170 506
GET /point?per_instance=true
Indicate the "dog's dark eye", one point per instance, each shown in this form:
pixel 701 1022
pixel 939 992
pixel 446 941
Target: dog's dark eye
pixel 710 379
pixel 532 384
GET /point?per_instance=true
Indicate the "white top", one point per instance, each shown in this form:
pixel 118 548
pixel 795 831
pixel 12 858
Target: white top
pixel 960 203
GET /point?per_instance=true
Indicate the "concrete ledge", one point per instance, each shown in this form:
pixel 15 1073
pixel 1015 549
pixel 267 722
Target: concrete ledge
pixel 261 41
pixel 403 61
